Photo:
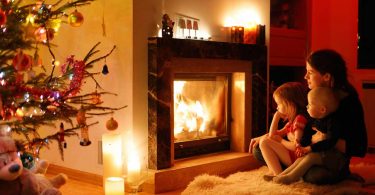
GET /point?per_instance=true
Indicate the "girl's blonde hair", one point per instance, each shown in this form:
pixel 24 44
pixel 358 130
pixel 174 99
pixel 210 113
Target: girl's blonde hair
pixel 294 97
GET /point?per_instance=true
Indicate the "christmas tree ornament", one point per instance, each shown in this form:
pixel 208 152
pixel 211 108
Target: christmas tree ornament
pixel 30 74
pixel 85 141
pixel 22 61
pixel 43 34
pixel 54 24
pixel 81 117
pixel 3 17
pixel 105 69
pixel 75 19
pixel 95 98
pixel 62 134
pixel 19 112
pixel 19 78
pixel 30 19
pixel 51 108
pixel 37 60
pixel 5 2
pixel 111 124
pixel 28 160
pixel 38 4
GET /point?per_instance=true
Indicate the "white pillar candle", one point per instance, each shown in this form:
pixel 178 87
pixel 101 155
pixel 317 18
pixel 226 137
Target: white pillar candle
pixel 114 186
pixel 134 166
pixel 112 155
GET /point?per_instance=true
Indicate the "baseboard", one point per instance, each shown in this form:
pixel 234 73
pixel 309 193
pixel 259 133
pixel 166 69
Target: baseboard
pixel 76 174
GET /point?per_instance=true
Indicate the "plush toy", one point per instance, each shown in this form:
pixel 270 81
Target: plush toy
pixel 14 179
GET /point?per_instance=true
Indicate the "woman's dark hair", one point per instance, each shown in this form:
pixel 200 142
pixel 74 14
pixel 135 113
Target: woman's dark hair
pixel 331 62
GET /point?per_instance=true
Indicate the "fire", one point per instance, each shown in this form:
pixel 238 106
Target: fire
pixel 190 116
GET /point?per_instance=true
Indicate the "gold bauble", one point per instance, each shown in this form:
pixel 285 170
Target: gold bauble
pixel 75 19
pixel 111 124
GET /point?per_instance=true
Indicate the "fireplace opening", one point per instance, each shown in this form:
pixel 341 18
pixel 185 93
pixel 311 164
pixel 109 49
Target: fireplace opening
pixel 200 113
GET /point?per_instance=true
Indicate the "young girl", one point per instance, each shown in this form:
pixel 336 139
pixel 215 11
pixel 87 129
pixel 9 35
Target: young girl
pixel 322 106
pixel 291 107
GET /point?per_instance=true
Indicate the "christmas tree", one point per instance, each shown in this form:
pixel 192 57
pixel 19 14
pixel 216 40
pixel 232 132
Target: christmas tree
pixel 33 97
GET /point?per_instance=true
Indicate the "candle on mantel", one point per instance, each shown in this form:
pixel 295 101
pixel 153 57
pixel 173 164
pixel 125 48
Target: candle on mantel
pixel 250 34
pixel 114 186
pixel 134 166
pixel 112 155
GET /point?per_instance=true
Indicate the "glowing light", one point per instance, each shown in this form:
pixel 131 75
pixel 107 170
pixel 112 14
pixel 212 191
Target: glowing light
pixel 134 164
pixel 30 19
pixel 245 18
pixel 189 115
pixel 240 85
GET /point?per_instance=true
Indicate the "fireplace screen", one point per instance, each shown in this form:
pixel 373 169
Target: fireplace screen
pixel 200 114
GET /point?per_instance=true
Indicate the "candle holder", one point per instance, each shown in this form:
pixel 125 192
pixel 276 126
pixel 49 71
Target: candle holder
pixel 195 28
pixel 114 186
pixel 189 26
pixel 135 186
pixel 182 26
pixel 236 34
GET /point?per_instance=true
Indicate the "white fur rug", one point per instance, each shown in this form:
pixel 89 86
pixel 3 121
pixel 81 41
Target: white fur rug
pixel 251 182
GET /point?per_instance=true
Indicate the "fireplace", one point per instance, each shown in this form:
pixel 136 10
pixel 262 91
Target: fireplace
pixel 200 113
pixel 204 97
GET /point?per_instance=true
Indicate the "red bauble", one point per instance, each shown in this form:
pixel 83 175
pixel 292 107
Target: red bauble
pixel 75 19
pixel 111 124
pixel 5 2
pixel 41 34
pixel 3 17
pixel 22 61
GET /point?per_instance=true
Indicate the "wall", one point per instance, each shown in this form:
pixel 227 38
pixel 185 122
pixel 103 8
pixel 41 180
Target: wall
pixel 336 28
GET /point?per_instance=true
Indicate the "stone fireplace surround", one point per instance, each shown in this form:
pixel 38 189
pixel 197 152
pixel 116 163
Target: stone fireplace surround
pixel 170 56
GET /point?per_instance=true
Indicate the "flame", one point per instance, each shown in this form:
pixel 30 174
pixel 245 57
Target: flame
pixel 189 115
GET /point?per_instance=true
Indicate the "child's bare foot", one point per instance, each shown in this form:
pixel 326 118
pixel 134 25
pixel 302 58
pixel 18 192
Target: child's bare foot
pixel 268 177
pixel 283 179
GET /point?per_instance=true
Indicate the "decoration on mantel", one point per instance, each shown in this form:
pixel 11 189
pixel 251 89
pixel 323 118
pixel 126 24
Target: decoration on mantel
pixel 188 23
pixel 34 95
pixel 167 26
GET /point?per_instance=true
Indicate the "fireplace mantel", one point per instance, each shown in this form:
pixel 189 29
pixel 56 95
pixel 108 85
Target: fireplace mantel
pixel 168 56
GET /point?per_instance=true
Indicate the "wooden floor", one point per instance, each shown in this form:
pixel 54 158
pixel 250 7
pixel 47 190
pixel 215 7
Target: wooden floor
pixel 74 187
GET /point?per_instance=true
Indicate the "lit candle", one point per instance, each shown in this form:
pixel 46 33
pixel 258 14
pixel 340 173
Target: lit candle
pixel 250 34
pixel 112 155
pixel 134 166
pixel 114 186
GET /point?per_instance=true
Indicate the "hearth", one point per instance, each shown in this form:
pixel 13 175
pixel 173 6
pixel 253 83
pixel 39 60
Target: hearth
pixel 204 97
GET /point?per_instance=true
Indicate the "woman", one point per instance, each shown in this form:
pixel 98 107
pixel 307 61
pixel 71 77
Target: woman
pixel 326 68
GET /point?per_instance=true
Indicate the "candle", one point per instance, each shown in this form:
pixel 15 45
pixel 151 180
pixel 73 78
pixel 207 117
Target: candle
pixel 134 166
pixel 250 34
pixel 237 33
pixel 112 155
pixel 114 186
